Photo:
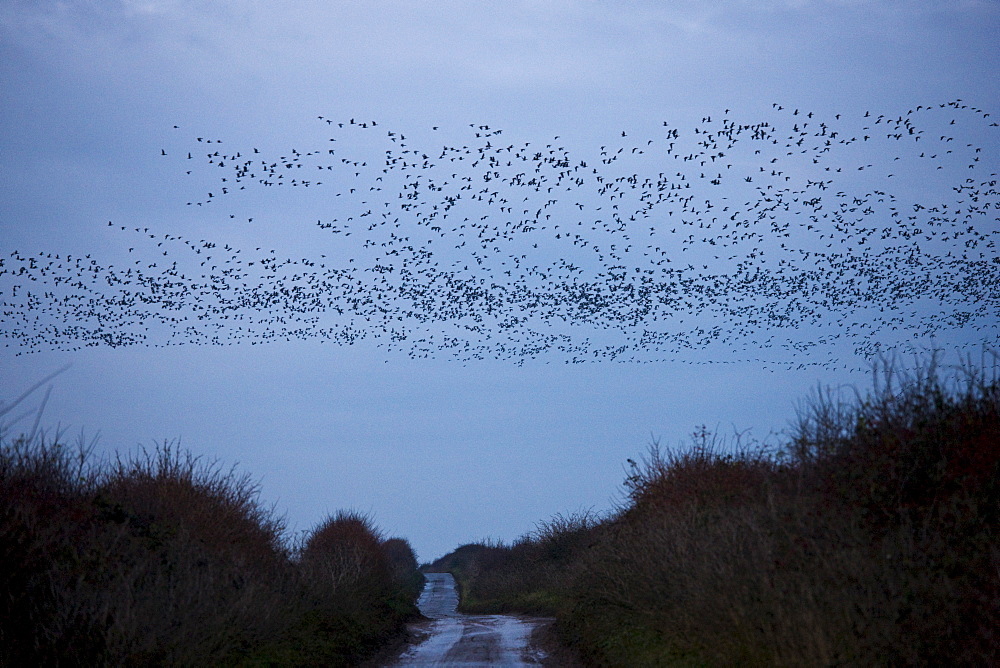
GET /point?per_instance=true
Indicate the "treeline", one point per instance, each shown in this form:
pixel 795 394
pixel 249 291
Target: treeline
pixel 162 559
pixel 870 538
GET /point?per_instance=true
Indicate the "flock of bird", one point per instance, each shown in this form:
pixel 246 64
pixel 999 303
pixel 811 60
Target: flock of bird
pixel 789 240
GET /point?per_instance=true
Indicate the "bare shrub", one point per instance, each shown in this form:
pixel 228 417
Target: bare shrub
pixel 193 566
pixel 193 500
pixel 345 553
pixel 710 472
pixel 44 514
pixel 563 536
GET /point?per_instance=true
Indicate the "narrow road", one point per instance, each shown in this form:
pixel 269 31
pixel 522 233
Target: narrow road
pixel 453 639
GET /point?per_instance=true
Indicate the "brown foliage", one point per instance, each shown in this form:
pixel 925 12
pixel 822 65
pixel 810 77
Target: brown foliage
pixel 162 559
pixel 870 540
pixel 345 552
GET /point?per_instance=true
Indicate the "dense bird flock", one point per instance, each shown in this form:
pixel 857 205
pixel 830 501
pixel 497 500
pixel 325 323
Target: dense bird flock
pixel 794 240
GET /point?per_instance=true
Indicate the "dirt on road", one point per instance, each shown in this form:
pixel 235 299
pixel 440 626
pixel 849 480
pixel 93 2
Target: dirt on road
pixel 450 638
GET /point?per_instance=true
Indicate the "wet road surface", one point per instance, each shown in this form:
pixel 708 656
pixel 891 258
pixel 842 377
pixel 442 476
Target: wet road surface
pixel 453 639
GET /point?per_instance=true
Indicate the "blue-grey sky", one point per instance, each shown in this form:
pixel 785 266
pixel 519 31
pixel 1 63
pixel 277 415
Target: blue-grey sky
pixel 444 450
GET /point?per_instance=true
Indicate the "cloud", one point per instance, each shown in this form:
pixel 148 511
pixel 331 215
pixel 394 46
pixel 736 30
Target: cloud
pixel 387 54
pixel 512 44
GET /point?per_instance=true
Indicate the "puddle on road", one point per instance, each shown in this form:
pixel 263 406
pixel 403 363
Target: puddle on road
pixel 455 639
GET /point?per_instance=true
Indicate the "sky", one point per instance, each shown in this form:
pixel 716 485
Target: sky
pixel 478 423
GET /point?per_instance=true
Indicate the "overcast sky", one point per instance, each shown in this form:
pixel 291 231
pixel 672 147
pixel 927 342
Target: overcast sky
pixel 439 450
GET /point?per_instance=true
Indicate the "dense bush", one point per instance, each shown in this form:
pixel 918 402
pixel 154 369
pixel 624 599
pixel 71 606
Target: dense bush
pixel 404 569
pixel 162 559
pixel 530 576
pixel 45 519
pixel 869 539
